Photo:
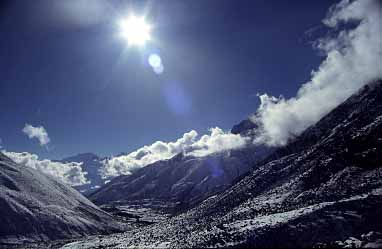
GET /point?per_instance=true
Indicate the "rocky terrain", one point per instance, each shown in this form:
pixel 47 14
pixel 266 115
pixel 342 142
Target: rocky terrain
pixel 38 207
pixel 323 189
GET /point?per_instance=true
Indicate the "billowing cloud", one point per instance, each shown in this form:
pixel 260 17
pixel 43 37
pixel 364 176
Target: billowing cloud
pixel 217 141
pixel 37 132
pixel 70 173
pixel 353 59
pixel 189 144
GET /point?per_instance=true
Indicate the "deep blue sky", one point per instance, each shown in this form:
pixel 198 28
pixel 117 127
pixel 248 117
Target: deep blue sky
pixel 92 93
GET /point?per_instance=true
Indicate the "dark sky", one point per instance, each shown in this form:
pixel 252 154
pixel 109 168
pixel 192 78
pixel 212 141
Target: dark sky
pixel 67 69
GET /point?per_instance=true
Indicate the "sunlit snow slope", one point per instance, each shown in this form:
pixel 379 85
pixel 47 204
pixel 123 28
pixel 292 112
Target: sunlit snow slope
pixel 35 207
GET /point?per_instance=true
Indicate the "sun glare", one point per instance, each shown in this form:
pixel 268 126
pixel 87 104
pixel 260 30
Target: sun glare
pixel 135 30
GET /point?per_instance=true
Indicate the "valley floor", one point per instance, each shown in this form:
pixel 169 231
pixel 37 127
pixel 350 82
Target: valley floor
pixel 134 215
pixel 350 222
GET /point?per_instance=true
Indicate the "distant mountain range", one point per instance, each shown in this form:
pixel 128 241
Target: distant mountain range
pixel 179 182
pixel 174 184
pixel 323 189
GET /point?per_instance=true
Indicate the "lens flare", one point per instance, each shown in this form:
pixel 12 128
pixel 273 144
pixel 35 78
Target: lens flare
pixel 155 62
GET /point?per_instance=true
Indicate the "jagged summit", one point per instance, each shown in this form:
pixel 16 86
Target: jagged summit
pixel 245 127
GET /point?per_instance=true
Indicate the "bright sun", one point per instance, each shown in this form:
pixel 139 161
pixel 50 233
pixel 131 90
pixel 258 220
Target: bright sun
pixel 135 30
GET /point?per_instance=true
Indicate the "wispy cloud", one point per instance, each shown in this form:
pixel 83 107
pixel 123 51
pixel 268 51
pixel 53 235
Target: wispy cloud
pixel 189 144
pixel 70 13
pixel 70 173
pixel 37 132
pixel 353 59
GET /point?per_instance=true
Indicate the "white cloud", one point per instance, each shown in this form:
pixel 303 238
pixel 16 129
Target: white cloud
pixel 353 59
pixel 217 141
pixel 189 144
pixel 37 132
pixel 70 173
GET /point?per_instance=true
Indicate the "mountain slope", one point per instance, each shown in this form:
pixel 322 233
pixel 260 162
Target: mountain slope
pixel 324 187
pixel 179 181
pixel 37 207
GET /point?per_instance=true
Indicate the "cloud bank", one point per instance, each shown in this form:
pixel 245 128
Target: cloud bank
pixel 70 173
pixel 189 144
pixel 37 132
pixel 353 59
